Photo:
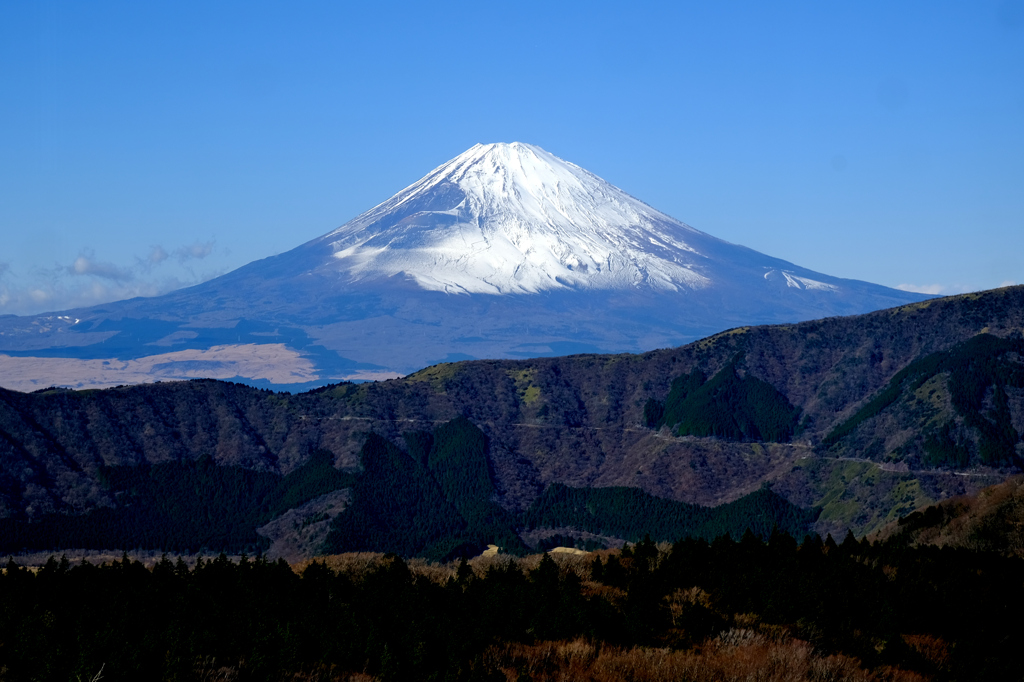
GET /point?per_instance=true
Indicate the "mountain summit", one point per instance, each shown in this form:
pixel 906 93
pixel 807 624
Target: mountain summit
pixel 504 251
pixel 515 219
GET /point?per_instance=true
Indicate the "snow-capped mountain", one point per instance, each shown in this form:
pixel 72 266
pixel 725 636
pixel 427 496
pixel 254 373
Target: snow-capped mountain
pixel 515 219
pixel 506 250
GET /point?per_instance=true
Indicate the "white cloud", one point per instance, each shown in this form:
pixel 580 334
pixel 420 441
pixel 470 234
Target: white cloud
pixel 196 251
pixel 1007 283
pixel 922 288
pixel 5 293
pixel 91 281
pixel 947 289
pixel 157 255
pixel 65 294
pixel 39 296
pixel 86 264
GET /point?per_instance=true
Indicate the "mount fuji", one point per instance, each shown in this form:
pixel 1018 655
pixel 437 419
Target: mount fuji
pixel 504 251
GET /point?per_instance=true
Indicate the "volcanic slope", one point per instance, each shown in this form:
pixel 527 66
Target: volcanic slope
pixel 842 414
pixel 505 251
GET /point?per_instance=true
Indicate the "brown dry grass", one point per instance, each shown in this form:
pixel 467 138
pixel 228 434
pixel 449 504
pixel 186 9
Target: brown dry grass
pixel 209 670
pixel 738 655
pixel 357 565
pixel 933 649
pixel 567 563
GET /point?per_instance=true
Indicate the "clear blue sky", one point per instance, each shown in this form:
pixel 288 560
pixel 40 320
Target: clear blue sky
pixel 146 145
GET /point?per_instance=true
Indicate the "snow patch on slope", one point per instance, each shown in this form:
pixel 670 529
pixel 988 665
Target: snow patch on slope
pixel 807 283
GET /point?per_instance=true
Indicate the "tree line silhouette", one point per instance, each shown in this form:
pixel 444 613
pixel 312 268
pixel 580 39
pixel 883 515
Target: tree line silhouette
pixel 950 614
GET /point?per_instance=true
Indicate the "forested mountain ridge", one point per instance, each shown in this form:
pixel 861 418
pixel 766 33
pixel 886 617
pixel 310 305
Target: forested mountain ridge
pixel 580 420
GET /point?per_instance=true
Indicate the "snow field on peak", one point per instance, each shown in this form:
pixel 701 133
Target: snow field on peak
pixel 513 218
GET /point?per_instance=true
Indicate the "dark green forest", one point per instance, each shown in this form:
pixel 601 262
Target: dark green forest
pixel 728 406
pixel 947 614
pixel 180 507
pixel 433 500
pixel 632 514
